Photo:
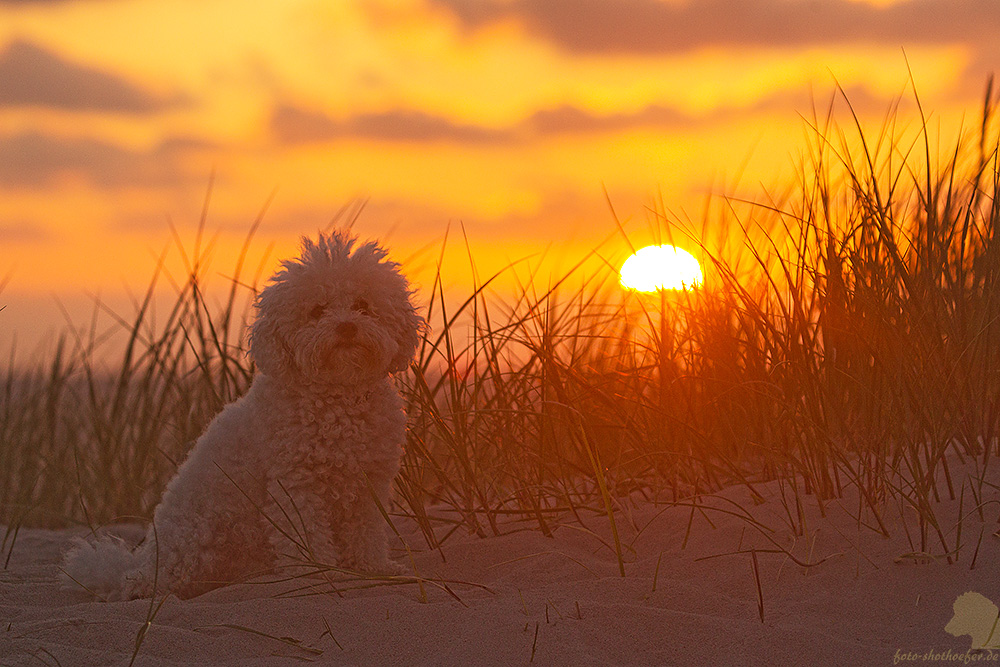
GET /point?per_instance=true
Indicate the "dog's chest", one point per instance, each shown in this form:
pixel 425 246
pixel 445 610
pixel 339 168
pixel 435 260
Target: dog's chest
pixel 337 418
pixel 340 432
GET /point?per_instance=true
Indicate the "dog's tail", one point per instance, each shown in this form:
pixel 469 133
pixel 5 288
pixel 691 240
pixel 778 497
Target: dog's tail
pixel 101 566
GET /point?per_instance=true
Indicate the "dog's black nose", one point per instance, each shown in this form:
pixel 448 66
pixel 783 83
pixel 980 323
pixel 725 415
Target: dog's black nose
pixel 347 330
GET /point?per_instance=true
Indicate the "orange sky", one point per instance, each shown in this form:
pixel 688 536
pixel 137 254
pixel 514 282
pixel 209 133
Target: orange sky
pixel 508 116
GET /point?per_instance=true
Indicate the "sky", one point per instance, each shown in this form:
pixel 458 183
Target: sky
pixel 511 122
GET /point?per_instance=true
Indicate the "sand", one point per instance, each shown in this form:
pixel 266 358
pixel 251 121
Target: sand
pixel 524 598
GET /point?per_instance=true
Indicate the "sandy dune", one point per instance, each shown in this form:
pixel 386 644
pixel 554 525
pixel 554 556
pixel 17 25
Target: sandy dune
pixel 523 597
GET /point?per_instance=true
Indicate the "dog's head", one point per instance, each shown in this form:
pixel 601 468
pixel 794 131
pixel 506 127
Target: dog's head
pixel 338 315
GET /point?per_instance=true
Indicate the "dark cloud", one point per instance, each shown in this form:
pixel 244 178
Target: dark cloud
pixel 569 119
pixel 22 232
pixel 293 125
pixel 572 120
pixel 657 27
pixel 33 160
pixel 417 126
pixel 32 76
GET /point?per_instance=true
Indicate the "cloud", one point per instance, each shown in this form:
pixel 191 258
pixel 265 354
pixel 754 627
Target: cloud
pixel 22 231
pixel 32 76
pixel 293 125
pixel 33 160
pixel 657 27
pixel 573 120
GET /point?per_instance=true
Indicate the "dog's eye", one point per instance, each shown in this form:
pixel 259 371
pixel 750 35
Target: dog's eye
pixel 316 312
pixel 361 306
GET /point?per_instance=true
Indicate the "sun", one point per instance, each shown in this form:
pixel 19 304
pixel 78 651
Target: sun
pixel 661 267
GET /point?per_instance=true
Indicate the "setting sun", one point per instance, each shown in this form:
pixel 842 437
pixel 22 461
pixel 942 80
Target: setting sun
pixel 661 267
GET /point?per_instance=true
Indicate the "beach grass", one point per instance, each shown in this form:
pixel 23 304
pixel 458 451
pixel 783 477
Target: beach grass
pixel 846 338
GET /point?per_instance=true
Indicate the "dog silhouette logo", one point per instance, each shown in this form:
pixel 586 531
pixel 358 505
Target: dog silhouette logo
pixel 976 615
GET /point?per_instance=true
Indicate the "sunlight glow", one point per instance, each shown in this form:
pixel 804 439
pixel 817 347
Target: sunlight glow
pixel 661 267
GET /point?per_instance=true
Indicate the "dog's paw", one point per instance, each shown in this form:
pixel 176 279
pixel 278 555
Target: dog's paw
pixel 395 569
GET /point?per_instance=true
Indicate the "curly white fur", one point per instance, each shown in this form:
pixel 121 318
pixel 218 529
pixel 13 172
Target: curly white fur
pixel 286 473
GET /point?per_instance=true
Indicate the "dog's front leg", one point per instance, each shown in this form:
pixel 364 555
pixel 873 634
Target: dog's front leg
pixel 360 529
pixel 299 528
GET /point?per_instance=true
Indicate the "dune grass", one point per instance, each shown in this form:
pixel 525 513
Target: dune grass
pixel 847 337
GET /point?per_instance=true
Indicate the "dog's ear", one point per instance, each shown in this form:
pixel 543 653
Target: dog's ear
pixel 268 349
pixel 410 330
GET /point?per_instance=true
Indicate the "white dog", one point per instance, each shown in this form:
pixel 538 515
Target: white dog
pixel 290 472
